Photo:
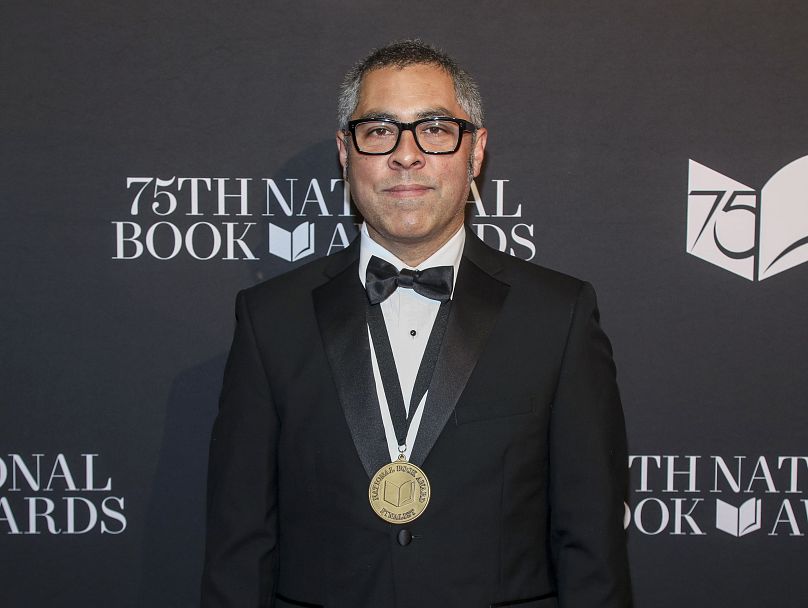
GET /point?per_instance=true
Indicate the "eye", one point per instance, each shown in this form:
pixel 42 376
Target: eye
pixel 434 128
pixel 437 130
pixel 380 131
pixel 377 130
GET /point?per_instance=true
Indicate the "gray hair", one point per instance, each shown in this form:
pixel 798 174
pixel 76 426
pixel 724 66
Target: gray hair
pixel 400 55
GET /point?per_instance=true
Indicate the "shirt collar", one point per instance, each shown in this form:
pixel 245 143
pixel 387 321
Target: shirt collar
pixel 448 255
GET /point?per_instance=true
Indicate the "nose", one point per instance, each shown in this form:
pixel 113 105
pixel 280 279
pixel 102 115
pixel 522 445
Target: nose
pixel 407 154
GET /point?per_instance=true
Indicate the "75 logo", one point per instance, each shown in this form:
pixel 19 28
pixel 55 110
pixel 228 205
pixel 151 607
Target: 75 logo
pixel 755 234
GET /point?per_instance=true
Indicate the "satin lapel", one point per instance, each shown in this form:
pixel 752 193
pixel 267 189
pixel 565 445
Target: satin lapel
pixel 340 306
pixel 478 297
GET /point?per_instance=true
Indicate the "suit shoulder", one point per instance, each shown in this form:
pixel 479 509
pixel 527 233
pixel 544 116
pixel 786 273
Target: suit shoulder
pixel 537 280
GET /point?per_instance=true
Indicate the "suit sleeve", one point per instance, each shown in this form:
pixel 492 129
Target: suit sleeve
pixel 588 469
pixel 241 543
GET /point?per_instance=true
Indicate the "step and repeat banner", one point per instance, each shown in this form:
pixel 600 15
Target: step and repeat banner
pixel 158 157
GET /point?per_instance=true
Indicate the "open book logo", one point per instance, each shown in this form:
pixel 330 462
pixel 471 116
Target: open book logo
pixel 399 494
pixel 291 245
pixel 738 521
pixel 755 234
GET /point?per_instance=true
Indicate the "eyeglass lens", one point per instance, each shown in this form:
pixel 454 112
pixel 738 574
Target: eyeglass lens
pixel 432 136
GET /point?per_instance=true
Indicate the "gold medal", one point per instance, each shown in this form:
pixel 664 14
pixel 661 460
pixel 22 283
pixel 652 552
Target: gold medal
pixel 399 492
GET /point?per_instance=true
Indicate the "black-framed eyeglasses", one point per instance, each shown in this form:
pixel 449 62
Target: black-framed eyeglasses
pixel 433 135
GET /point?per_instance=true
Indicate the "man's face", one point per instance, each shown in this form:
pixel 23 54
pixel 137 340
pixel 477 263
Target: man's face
pixel 411 201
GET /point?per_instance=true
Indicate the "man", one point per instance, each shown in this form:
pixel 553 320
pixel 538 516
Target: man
pixel 455 441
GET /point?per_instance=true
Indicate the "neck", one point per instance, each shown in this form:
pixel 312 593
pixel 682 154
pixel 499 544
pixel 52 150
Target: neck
pixel 411 253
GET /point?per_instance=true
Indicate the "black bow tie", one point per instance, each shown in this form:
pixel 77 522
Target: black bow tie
pixel 382 279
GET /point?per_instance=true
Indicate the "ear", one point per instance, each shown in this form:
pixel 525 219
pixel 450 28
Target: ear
pixel 479 149
pixel 342 150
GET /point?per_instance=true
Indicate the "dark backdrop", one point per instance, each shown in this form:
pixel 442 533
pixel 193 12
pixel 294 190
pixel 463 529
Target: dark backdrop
pixel 112 357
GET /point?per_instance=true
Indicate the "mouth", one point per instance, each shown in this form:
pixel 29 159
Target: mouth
pixel 407 190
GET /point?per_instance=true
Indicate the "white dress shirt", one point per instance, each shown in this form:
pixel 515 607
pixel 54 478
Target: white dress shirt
pixel 408 317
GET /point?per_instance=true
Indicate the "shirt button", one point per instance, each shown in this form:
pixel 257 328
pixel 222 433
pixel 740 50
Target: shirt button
pixel 413 332
pixel 404 537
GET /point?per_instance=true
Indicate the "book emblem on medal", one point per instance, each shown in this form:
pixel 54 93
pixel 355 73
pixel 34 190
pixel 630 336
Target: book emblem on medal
pixel 398 495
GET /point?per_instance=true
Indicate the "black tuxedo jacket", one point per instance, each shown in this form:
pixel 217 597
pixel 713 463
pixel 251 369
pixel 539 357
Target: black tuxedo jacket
pixel 522 439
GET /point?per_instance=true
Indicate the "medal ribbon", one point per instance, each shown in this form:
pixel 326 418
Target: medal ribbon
pixel 400 416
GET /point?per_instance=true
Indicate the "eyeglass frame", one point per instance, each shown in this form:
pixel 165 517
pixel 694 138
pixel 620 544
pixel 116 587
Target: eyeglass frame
pixel 465 127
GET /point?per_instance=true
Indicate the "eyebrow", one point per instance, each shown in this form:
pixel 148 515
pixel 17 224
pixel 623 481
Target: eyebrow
pixel 377 114
pixel 438 111
pixel 426 113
